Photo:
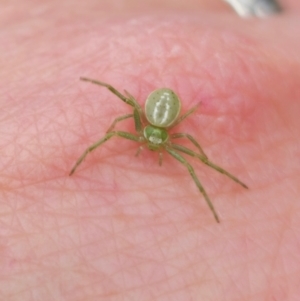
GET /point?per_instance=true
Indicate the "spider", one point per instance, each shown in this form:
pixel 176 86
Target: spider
pixel 161 113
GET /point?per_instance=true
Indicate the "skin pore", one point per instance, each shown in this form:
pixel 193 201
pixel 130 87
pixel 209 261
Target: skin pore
pixel 125 228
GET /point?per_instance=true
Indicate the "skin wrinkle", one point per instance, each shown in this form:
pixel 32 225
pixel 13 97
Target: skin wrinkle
pixel 125 42
pixel 275 258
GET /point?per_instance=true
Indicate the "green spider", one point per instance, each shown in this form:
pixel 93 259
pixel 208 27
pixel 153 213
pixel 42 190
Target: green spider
pixel 161 113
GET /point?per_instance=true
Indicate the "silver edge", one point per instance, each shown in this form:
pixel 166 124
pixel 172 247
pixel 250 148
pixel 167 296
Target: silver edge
pixel 255 8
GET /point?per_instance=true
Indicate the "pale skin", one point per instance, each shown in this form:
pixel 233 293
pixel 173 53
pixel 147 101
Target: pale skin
pixel 125 228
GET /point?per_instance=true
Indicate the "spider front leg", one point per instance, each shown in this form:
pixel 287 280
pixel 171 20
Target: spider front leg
pixel 136 104
pixel 121 134
pixel 182 160
pixel 129 99
pixel 110 88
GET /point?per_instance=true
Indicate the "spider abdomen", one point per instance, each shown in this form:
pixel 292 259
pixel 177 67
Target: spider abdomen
pixel 162 107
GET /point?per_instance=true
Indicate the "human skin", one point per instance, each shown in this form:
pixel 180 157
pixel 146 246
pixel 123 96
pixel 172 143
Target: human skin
pixel 124 228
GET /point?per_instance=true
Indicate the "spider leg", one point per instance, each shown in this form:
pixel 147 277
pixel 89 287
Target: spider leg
pixel 110 88
pixel 138 112
pixel 207 162
pixel 109 135
pixel 192 139
pixel 130 100
pixel 137 121
pixel 118 119
pixel 185 115
pixel 182 160
pixel 139 150
pixel 136 104
pixel 160 159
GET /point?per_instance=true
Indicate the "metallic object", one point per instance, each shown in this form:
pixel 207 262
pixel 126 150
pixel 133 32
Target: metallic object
pixel 152 125
pixel 255 8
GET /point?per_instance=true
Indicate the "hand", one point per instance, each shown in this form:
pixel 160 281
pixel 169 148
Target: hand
pixel 124 228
